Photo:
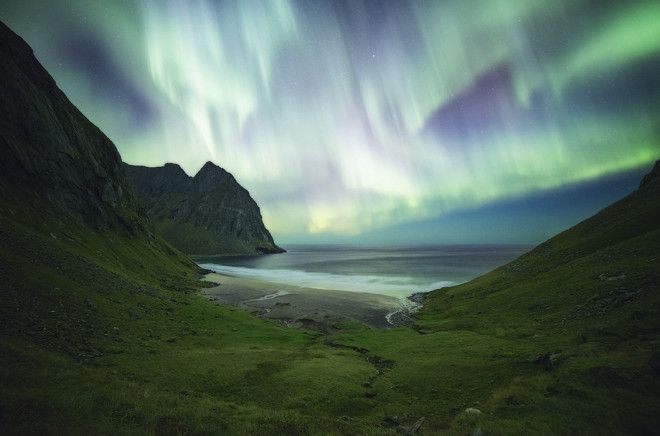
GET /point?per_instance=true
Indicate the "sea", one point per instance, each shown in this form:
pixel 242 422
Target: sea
pixel 394 271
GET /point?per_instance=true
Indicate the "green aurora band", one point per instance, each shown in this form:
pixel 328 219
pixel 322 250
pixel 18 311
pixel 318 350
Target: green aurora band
pixel 341 117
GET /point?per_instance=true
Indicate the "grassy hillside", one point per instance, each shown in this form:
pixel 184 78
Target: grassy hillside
pixel 103 333
pixel 565 339
pixel 561 340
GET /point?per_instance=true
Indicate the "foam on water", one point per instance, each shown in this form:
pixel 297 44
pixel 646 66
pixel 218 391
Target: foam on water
pixel 396 286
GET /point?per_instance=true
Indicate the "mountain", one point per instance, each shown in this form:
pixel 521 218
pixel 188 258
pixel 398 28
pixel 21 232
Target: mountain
pixel 209 213
pixel 68 219
pixel 51 151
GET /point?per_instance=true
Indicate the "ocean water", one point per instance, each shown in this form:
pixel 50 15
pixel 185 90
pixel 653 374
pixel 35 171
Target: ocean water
pixel 394 271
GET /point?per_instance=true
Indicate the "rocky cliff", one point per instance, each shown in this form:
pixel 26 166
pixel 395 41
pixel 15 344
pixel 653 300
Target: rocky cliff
pixel 51 151
pixel 210 213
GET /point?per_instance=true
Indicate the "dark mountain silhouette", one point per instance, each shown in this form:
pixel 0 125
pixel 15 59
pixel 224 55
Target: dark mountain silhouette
pixel 210 213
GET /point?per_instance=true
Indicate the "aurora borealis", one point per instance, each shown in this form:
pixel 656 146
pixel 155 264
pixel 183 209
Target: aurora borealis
pixel 345 117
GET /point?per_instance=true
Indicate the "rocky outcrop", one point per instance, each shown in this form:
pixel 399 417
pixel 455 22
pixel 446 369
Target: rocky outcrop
pixel 651 176
pixel 210 213
pixel 51 151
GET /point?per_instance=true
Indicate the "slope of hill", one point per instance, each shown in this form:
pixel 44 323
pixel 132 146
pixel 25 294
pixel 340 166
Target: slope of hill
pixel 563 340
pixel 600 268
pixel 209 213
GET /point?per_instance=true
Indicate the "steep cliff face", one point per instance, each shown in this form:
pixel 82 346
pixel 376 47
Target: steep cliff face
pixel 210 213
pixel 71 230
pixel 51 151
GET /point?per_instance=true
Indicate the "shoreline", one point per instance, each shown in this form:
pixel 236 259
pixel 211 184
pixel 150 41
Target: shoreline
pixel 300 306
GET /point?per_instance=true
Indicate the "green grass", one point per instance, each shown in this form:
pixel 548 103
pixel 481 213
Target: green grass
pixel 590 294
pixel 106 334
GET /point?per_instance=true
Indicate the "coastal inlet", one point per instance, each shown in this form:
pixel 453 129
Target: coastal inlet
pixel 327 285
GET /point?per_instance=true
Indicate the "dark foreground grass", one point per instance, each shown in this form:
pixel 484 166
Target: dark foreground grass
pixel 106 334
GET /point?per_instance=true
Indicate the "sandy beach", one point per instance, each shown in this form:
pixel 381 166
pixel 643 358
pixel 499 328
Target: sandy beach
pixel 302 306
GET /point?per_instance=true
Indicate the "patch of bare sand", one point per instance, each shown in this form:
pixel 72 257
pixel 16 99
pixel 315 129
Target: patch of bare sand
pixel 301 306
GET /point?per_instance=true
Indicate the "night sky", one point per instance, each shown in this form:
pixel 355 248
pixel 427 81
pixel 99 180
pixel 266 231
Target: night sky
pixel 374 121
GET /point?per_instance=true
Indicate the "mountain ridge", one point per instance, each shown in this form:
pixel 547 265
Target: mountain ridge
pixel 69 221
pixel 52 151
pixel 207 214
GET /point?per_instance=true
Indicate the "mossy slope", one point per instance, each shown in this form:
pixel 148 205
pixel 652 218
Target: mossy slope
pixel 92 344
pixel 565 339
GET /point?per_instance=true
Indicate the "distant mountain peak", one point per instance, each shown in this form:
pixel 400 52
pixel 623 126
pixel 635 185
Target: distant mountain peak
pixel 211 168
pixel 172 165
pixel 210 164
pixel 210 213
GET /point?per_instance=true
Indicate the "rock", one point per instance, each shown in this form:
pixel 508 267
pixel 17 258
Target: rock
pixel 418 297
pixel 606 278
pixel 262 312
pixel 472 411
pixel 549 361
pixel 417 425
pixel 413 429
pixel 50 150
pixel 210 213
